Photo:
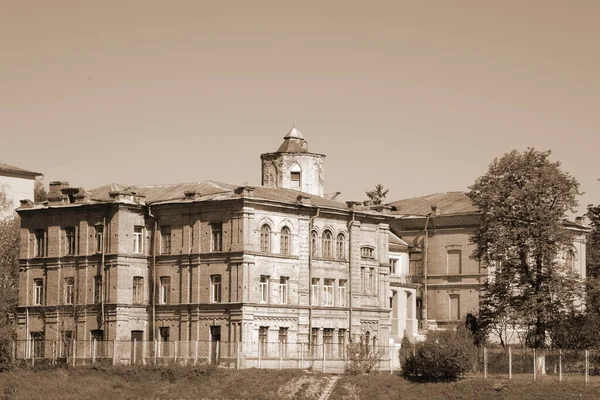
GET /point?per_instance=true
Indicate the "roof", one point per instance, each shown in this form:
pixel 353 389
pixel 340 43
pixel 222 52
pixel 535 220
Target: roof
pixel 16 170
pixel 395 240
pixel 294 133
pixel 212 190
pixel 446 203
pixel 293 142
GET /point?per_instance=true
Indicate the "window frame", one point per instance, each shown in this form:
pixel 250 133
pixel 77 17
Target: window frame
pixel 265 238
pixel 327 244
pixel 342 302
pixel 40 243
pixel 328 292
pixel 166 240
pixel 216 287
pixel 165 290
pixel 284 240
pixel 340 246
pixel 137 290
pixel 283 289
pixel 69 294
pixel 138 239
pixel 264 288
pixel 38 292
pixel 216 236
pixel 70 241
pixel 314 291
pixel 99 238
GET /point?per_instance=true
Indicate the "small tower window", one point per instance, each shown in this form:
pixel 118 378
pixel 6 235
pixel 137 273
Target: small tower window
pixel 295 180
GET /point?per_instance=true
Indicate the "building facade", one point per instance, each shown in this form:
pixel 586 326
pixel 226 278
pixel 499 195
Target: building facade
pixel 17 184
pixel 249 273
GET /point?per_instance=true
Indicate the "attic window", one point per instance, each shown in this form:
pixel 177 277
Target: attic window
pixel 366 252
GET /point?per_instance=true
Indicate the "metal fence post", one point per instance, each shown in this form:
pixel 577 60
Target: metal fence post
pixel 175 352
pixel 301 355
pixel 485 363
pixel 560 365
pixel 587 366
pixel 218 353
pixel 259 354
pixel 509 363
pixel 280 358
pixel 134 349
pixel 196 354
pixel 155 350
pixel 114 355
pixel 534 365
pixel 237 355
pixel 323 357
pixel 94 351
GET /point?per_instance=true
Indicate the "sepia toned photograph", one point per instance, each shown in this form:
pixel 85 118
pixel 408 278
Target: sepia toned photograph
pixel 317 200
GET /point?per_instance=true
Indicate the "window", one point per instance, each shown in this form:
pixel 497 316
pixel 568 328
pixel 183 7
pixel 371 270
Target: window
pixel 283 290
pixel 97 334
pixel 314 340
pixel 97 288
pixel 38 339
pixel 283 339
pixel 340 247
pixel 265 239
pixel 163 333
pixel 569 259
pixel 314 241
pixel 138 290
pixel 264 289
pixel 327 243
pixel 328 341
pixel 70 241
pixel 215 289
pixel 69 290
pixel 295 180
pixel 372 281
pixel 38 293
pixel 314 291
pixel 99 238
pixel 138 240
pixel 263 332
pixel 367 252
pixel 40 243
pixel 284 243
pixel 342 293
pixel 341 343
pixel 454 262
pixel 216 230
pixel 394 266
pixel 454 307
pixel 165 288
pixel 328 292
pixel 165 240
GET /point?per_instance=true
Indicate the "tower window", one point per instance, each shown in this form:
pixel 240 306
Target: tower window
pixel 295 180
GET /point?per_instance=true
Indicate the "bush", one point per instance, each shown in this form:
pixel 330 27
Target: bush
pixel 443 356
pixel 362 358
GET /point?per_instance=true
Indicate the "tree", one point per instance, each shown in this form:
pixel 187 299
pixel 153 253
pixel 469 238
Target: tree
pixel 39 193
pixel 9 273
pixel 592 250
pixel 523 199
pixel 377 195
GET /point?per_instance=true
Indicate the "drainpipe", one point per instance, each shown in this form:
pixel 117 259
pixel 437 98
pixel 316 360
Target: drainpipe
pixel 350 225
pixel 103 276
pixel 153 292
pixel 311 224
pixel 425 251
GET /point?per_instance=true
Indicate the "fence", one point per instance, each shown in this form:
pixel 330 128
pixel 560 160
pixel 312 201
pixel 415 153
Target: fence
pixel 327 357
pixel 510 363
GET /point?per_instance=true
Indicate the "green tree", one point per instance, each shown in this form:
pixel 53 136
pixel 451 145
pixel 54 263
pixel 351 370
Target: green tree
pixel 9 273
pixel 377 195
pixel 523 199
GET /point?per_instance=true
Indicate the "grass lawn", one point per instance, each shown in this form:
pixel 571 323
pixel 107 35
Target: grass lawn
pixel 386 386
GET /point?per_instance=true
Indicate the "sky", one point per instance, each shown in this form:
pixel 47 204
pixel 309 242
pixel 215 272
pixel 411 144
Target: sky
pixel 419 96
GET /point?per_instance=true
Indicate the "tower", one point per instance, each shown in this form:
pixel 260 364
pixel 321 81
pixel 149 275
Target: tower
pixel 292 166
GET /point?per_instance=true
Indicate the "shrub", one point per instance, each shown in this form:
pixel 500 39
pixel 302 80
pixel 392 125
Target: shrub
pixel 443 356
pixel 362 358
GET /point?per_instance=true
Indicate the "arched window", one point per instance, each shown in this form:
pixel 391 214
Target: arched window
pixel 284 243
pixel 569 259
pixel 340 246
pixel 265 239
pixel 327 245
pixel 367 339
pixel 314 242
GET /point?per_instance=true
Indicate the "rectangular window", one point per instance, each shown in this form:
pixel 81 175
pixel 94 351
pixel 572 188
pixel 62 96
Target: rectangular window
pixel 165 240
pixel 98 289
pixel 164 333
pixel 314 291
pixel 216 230
pixel 328 292
pixel 70 241
pixel 295 180
pixel 454 262
pixel 138 239
pixel 314 340
pixel 342 293
pixel 264 289
pixel 283 290
pixel 366 252
pixel 215 288
pixel 69 290
pixel 364 280
pixel 99 238
pixel 372 280
pixel 38 344
pixel 393 266
pixel 263 332
pixel 454 307
pixel 283 339
pixel 40 243
pixel 38 294
pixel 341 343
pixel 328 342
pixel 165 289
pixel 138 290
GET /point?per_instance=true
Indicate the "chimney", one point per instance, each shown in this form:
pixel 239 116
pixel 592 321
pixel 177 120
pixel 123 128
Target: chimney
pixel 303 199
pixel 353 205
pixel 26 203
pixel 435 210
pixel 245 191
pixel 192 194
pixel 55 192
pixel 384 209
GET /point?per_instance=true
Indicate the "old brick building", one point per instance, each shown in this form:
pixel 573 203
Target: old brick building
pixel 439 227
pixel 257 269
